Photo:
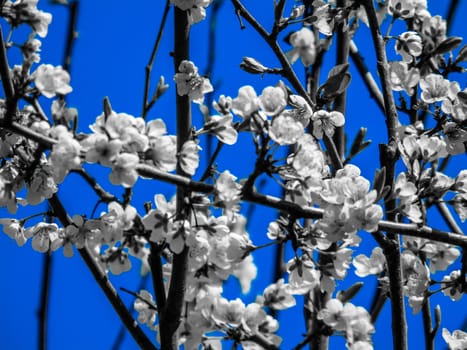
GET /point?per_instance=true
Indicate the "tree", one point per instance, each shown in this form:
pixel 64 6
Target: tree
pixel 292 132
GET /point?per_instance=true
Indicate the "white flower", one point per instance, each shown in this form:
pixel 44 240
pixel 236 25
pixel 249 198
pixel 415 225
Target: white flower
pixel 189 157
pixel 304 47
pixel 124 170
pixel 326 122
pixel 246 103
pixel 369 266
pixel 434 88
pixel 46 237
pixel 15 230
pixel 51 80
pixel 278 297
pixel 403 78
pixel 285 130
pixel 272 100
pixel 456 341
pixel 190 83
pixel 409 45
pixel 221 126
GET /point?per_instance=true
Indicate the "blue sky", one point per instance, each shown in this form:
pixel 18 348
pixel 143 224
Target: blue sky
pixel 113 47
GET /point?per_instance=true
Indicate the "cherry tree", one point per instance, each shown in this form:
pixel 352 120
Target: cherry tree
pixel 191 243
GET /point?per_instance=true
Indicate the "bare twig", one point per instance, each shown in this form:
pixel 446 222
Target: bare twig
pixel 450 15
pixel 370 82
pixel 103 195
pixel 148 69
pixel 44 301
pixel 72 34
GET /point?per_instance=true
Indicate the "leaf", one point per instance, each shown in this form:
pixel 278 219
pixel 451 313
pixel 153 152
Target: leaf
pixel 448 45
pixel 334 86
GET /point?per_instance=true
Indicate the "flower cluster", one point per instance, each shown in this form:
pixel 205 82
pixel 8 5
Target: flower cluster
pixel 353 320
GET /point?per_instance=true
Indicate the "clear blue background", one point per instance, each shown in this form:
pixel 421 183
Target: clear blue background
pixel 114 44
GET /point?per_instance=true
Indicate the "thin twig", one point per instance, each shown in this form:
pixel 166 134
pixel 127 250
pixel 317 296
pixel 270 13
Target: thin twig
pixel 212 159
pixel 103 195
pixel 44 301
pixel 448 218
pixel 148 69
pixel 450 15
pixel 72 34
pixel 365 73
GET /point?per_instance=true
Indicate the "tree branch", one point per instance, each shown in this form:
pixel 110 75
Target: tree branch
pixel 388 157
pixel 170 318
pixel 365 73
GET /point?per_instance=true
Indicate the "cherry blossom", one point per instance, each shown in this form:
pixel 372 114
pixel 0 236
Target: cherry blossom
pixel 51 80
pixel 190 83
pixel 409 46
pixel 325 122
pixel 457 340
pixel 304 47
pixel 246 103
pixel 272 100
pixel 15 230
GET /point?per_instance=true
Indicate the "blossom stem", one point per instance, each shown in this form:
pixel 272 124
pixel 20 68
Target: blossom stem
pixel 148 68
pixel 104 282
pixel 213 158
